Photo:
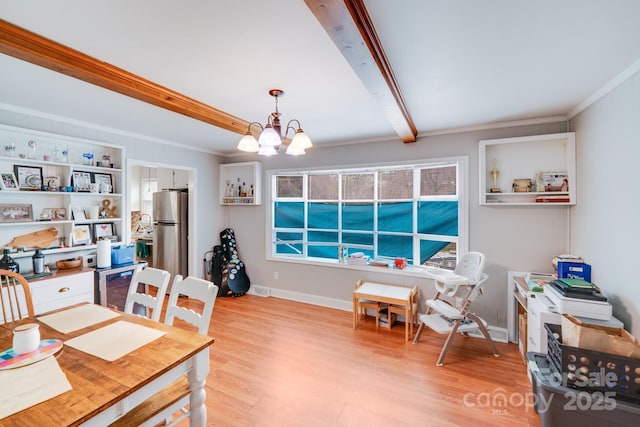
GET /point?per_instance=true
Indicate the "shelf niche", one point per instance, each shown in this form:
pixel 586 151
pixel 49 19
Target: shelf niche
pixel 522 158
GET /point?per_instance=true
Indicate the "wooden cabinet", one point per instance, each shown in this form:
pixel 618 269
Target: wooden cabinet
pixel 67 175
pixel 543 160
pixel 63 289
pixel 241 183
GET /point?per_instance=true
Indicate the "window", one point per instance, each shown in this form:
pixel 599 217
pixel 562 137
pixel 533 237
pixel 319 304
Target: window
pixel 415 211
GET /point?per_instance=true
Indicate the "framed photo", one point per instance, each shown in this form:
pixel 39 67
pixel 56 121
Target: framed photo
pixel 81 180
pixel 103 230
pixel 8 181
pixel 29 177
pixel 555 181
pixel 80 235
pixel 55 214
pixel 15 212
pixel 78 214
pixel 52 183
pixel 104 181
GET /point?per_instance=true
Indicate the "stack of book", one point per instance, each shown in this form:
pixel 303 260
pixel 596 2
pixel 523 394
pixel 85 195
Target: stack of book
pixel 537 281
pixel 578 288
pixel 384 319
pixel 553 199
pixel 566 258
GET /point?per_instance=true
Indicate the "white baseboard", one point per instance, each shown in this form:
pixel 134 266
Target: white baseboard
pixel 265 291
pixel 497 334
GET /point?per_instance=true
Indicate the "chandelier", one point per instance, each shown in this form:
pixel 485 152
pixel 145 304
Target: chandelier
pixel 271 137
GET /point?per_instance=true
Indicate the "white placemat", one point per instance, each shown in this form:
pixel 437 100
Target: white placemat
pixel 29 385
pixel 78 317
pixel 115 340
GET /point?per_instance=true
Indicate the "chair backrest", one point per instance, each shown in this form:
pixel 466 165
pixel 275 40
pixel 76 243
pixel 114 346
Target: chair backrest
pixel 193 288
pixel 471 266
pixel 15 297
pixel 139 291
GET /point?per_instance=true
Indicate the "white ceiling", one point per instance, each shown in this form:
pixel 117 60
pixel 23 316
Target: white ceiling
pixel 459 63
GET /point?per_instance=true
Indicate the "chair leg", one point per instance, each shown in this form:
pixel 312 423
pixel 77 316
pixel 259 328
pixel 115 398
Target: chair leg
pixel 484 331
pixel 418 332
pixel 445 347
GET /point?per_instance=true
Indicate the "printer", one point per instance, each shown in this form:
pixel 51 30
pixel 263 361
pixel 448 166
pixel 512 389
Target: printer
pixel 588 304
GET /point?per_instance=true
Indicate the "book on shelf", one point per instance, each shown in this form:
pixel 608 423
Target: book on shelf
pixel 577 284
pixel 566 258
pixel 537 281
pixel 384 319
pixel 553 199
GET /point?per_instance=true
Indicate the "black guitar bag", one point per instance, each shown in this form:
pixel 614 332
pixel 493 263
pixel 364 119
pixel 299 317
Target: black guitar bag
pixel 237 278
pixel 219 272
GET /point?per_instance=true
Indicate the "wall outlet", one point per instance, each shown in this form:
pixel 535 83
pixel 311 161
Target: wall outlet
pixel 276 276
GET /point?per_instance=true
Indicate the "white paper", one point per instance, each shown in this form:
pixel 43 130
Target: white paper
pixel 115 340
pixel 79 317
pixel 29 385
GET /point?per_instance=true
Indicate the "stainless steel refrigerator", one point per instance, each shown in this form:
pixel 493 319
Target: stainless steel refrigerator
pixel 170 232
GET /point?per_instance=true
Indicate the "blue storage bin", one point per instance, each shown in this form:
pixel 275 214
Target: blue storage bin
pixel 122 255
pixel 574 270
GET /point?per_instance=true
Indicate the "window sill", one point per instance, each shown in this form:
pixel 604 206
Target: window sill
pixel 411 270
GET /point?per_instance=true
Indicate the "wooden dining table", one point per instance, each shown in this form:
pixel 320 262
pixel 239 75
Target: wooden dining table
pixel 102 391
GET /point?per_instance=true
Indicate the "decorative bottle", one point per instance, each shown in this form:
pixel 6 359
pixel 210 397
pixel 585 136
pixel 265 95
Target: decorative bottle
pixel 7 263
pixel 38 262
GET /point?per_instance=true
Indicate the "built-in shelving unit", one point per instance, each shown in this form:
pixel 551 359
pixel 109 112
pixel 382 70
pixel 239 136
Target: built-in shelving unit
pixel 63 179
pixel 546 160
pixel 241 184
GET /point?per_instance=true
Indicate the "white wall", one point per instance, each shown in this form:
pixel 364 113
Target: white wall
pixel 512 237
pixel 208 218
pixel 604 225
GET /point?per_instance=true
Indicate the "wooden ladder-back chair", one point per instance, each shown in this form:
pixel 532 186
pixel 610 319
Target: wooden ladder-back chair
pixel 159 279
pixel 161 407
pixel 448 312
pixel 15 297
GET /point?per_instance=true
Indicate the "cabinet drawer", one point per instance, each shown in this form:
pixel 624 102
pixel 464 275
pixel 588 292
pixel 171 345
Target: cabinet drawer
pixel 59 292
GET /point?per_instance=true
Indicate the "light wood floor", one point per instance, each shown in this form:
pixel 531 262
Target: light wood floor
pixel 282 363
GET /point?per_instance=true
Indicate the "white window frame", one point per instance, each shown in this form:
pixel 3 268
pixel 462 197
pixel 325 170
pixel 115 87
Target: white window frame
pixel 462 196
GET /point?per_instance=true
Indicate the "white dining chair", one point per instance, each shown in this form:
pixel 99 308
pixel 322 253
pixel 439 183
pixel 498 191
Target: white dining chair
pixel 194 289
pixel 145 278
pixel 162 408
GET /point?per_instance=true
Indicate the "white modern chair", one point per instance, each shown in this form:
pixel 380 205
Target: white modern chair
pixel 146 277
pixel 448 312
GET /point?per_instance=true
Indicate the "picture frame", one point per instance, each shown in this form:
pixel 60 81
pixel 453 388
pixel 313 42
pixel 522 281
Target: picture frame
pixel 81 180
pixel 78 214
pixel 8 181
pixel 104 230
pixel 29 177
pixel 12 212
pixel 103 180
pixel 81 235
pixel 52 183
pixel 555 181
pixel 55 214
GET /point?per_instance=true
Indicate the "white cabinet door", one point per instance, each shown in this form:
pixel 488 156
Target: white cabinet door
pixel 63 291
pixel 537 315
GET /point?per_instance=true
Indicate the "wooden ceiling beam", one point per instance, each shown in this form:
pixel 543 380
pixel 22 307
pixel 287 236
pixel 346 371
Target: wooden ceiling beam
pixel 30 47
pixel 348 24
